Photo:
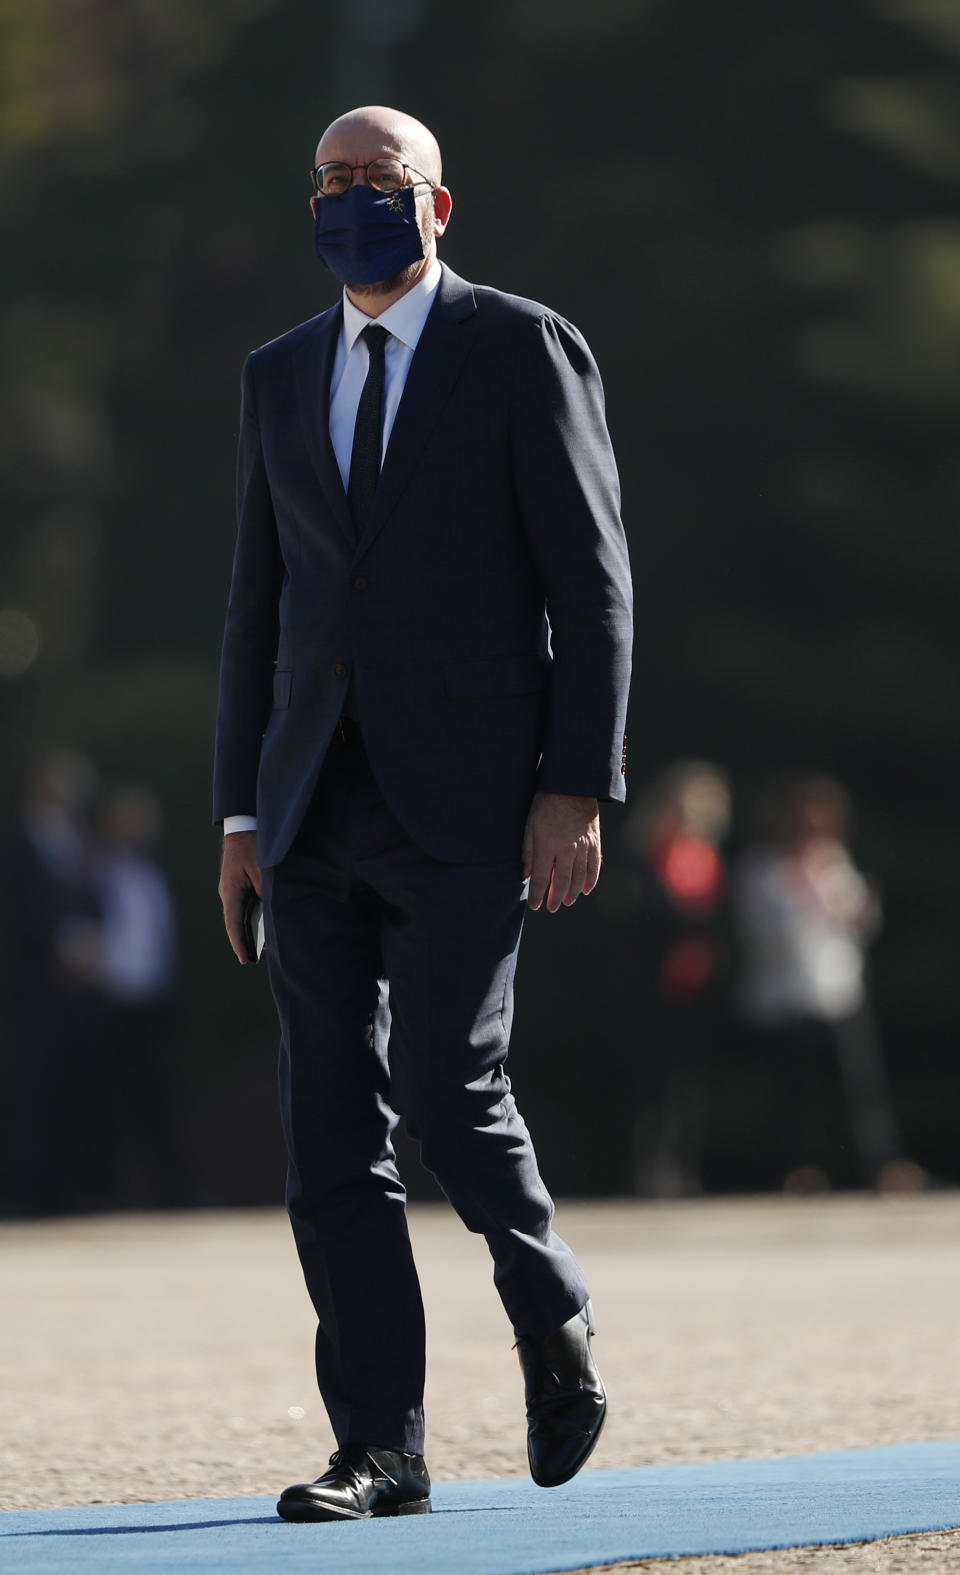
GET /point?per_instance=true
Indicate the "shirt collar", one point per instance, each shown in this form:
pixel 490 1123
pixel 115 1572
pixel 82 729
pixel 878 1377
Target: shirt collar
pixel 404 319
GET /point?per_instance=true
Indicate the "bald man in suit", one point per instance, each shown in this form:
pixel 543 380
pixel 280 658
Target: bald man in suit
pixel 422 701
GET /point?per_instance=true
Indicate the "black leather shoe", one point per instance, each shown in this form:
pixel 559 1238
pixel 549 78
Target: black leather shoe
pixel 361 1482
pixel 566 1403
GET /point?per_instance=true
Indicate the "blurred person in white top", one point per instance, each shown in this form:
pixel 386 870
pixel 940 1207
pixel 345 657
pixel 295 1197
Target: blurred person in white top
pixel 142 1114
pixel 139 943
pixel 806 914
pixel 805 917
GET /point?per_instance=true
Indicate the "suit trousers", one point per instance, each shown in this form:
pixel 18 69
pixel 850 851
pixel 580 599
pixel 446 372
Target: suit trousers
pixel 393 975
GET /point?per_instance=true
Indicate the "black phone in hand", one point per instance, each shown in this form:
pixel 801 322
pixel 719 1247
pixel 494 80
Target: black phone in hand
pixel 251 923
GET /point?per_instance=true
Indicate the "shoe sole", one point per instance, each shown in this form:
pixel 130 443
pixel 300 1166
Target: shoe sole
pixel 301 1510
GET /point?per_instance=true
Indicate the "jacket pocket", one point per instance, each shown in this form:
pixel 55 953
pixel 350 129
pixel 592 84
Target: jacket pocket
pixel 495 675
pixel 282 681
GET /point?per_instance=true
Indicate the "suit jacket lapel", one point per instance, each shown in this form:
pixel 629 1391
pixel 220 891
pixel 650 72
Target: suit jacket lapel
pixel 314 365
pixel 447 337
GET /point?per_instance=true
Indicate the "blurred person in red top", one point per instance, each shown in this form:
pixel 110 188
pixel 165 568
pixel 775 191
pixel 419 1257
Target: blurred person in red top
pixel 805 917
pixel 670 898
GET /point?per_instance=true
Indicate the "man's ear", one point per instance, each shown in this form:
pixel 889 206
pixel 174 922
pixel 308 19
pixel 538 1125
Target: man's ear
pixel 313 205
pixel 442 207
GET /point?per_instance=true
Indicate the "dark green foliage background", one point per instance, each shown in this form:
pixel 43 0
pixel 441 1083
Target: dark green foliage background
pixel 753 212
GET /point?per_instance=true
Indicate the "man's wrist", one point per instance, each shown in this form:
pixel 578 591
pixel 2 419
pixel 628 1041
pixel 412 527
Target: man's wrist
pixel 583 801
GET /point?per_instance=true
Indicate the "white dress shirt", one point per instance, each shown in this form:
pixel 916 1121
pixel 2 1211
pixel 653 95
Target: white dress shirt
pixel 404 321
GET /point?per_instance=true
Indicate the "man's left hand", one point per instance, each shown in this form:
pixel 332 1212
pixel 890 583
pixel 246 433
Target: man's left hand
pixel 561 849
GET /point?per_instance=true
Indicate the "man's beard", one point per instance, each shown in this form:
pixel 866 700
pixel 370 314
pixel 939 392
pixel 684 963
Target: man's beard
pixel 386 286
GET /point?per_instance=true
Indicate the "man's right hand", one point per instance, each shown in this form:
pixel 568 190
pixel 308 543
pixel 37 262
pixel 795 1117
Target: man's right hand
pixel 238 871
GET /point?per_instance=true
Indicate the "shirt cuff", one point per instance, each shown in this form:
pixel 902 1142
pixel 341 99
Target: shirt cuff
pixel 233 823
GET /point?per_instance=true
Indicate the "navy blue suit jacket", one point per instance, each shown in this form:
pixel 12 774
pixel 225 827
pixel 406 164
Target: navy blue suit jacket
pixel 483 618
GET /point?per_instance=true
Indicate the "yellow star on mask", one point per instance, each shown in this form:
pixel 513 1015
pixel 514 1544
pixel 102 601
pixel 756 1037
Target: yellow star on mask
pixel 395 203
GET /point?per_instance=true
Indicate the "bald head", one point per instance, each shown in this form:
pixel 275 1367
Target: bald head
pixel 364 134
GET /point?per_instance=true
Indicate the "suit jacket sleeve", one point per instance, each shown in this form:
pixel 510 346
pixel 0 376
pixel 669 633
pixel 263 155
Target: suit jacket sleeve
pixel 252 626
pixel 568 489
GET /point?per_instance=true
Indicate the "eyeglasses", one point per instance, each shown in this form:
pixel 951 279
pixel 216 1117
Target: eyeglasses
pixel 330 180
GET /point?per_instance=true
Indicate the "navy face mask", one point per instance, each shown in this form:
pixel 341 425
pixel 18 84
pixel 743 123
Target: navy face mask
pixel 364 236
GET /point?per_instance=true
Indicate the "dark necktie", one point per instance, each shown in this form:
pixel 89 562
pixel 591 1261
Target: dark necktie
pixel 365 455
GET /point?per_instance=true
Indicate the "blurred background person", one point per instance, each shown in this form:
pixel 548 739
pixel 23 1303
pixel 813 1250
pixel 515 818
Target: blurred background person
pixel 805 918
pixel 137 977
pixel 49 1160
pixel 669 898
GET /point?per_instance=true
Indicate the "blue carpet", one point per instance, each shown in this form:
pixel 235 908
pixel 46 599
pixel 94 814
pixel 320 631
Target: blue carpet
pixel 510 1527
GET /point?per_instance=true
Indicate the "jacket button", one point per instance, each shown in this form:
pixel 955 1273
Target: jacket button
pixel 339 671
pixel 361 582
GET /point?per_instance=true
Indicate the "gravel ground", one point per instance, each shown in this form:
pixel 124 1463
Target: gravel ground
pixel 165 1356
